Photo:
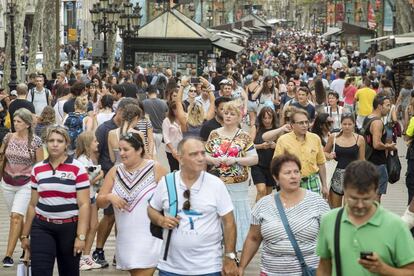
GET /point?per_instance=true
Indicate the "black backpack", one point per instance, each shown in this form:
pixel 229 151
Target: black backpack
pixel 32 93
pixel 366 132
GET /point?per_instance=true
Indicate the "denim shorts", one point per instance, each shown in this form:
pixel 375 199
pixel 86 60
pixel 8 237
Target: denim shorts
pixel 383 179
pixel 166 273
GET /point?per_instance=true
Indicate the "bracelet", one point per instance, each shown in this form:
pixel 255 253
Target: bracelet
pixel 23 237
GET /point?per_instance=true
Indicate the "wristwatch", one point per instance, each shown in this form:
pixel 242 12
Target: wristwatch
pixel 232 256
pixel 81 237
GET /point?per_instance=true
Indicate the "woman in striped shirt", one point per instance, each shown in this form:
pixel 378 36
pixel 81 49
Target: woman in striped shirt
pixel 303 210
pixel 58 214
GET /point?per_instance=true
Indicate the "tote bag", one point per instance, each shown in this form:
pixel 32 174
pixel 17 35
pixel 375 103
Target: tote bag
pixel 331 165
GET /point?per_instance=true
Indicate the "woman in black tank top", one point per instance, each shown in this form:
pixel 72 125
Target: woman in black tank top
pixel 345 147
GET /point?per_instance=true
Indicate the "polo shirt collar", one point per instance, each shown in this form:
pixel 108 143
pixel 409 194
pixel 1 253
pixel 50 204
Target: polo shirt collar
pixel 68 160
pixel 196 186
pixel 296 137
pixel 375 220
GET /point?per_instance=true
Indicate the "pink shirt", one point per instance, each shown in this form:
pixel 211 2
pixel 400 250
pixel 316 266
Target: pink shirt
pixel 171 133
pixel 349 94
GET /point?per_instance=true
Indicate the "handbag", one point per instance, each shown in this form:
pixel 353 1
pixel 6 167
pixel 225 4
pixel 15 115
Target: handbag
pixel 306 270
pixel 393 167
pixel 3 158
pixel 331 165
pixel 24 270
pixel 337 252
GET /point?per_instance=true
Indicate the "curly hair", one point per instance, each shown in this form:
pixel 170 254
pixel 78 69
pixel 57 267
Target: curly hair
pixel 48 116
pixel 129 113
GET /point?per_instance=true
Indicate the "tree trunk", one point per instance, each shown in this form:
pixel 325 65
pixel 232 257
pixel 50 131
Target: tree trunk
pixel 34 36
pixel 18 33
pixel 49 38
pixel 111 43
pixel 404 17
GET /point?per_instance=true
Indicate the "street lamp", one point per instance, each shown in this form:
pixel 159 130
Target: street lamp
pixel 348 14
pixel 314 21
pixel 13 66
pixel 129 20
pixel 104 18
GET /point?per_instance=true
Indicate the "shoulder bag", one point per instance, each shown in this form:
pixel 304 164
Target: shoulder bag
pixel 331 165
pixel 306 270
pixel 3 158
pixel 337 252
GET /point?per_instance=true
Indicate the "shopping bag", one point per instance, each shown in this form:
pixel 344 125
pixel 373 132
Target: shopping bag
pixel 393 167
pixel 24 270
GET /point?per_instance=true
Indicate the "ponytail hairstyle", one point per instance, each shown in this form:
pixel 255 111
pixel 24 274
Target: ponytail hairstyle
pixel 129 113
pixel 83 143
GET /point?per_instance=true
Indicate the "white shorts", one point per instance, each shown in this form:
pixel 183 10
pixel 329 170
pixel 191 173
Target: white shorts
pixel 252 106
pixel 17 198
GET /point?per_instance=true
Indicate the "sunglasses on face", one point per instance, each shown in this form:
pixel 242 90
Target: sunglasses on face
pixel 187 204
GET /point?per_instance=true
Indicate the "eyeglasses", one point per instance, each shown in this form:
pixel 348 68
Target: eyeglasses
pixel 354 201
pixel 192 90
pixel 129 136
pixel 187 204
pixel 302 123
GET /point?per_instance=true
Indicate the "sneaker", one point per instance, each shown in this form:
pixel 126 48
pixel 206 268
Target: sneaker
pixel 99 258
pixel 114 261
pixel 88 260
pixel 21 259
pixel 8 262
pixel 83 265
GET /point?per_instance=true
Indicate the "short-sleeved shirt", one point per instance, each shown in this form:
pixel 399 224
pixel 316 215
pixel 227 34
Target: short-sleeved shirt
pixel 278 256
pixel 58 188
pixel 310 109
pixel 17 104
pixel 208 127
pixel 309 151
pixel 20 159
pixel 240 146
pixel 195 246
pixel 384 233
pixel 365 97
pixel 156 109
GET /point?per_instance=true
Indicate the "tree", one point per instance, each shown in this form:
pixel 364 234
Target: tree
pixel 112 42
pixel 49 38
pixel 18 32
pixel 34 36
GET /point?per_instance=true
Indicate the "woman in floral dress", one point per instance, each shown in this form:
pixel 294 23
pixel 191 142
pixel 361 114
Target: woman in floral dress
pixel 231 152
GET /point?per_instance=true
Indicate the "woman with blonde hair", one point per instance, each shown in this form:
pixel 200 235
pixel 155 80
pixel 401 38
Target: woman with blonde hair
pixel 130 118
pixel 21 149
pixel 87 154
pixel 231 152
pixel 192 121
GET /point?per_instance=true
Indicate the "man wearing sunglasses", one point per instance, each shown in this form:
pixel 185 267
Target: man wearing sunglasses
pixel 204 218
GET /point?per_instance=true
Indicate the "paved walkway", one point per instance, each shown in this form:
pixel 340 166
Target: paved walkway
pixel 395 200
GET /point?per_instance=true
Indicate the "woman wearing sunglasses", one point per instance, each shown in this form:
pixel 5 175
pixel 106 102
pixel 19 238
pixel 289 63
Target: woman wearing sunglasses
pixel 128 186
pixel 345 147
pixel 58 215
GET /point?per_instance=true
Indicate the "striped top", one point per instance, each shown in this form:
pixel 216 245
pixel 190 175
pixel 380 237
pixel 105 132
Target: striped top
pixel 278 256
pixel 57 188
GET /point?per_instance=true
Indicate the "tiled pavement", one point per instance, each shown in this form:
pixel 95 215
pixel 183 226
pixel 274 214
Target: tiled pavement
pixel 395 200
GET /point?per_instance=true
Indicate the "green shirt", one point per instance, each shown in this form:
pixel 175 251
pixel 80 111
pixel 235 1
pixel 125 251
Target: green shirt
pixel 384 233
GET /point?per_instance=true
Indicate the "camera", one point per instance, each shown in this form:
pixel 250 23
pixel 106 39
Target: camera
pixel 364 254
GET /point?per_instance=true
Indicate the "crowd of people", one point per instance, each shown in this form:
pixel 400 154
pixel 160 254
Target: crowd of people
pixel 311 125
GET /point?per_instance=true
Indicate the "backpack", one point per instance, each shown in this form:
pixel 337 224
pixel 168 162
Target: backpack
pixel 32 93
pixel 365 131
pixel 156 230
pixel 74 123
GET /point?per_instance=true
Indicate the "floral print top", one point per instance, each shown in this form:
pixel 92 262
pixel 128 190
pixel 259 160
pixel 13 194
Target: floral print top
pixel 240 146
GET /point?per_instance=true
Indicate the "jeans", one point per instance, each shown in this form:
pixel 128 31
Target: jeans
pixel 49 241
pixel 166 273
pixel 383 179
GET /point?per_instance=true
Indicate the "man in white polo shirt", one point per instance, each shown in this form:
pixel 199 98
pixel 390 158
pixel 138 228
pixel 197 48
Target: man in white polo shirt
pixel 203 206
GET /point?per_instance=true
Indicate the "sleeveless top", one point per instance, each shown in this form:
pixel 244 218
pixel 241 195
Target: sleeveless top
pixel 251 92
pixel 192 131
pixel 134 186
pixel 345 155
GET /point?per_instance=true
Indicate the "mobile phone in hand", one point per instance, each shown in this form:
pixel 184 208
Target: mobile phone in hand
pixel 364 254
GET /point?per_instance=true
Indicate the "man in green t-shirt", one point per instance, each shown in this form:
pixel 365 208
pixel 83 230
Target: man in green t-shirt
pixel 365 226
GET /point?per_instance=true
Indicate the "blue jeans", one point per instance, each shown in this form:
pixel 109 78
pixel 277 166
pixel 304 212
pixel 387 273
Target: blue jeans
pixel 383 179
pixel 166 273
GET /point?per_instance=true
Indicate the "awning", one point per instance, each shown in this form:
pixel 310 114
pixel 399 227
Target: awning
pixel 404 39
pixel 377 39
pixel 332 31
pixel 227 45
pixel 396 53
